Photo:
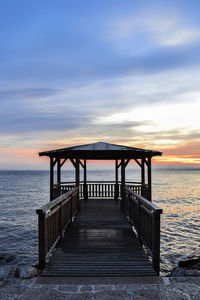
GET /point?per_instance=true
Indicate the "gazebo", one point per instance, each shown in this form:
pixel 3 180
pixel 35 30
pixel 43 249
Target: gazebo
pixel 98 239
pixel 79 155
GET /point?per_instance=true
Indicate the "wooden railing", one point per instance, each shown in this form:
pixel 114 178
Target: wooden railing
pixel 145 217
pixel 53 218
pixel 103 189
pixel 99 189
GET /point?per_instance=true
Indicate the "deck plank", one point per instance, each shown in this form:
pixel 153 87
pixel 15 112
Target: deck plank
pixel 100 242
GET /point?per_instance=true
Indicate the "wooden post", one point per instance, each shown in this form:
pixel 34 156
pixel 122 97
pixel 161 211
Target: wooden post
pixel 58 192
pixel 142 172
pixel 122 182
pixel 156 242
pixel 77 173
pixel 138 220
pixel 149 178
pixel 143 178
pixel 42 238
pixel 116 181
pixel 58 171
pixel 51 178
pixel 85 191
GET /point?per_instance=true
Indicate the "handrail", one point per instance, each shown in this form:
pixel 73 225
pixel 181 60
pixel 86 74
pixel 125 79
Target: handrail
pixel 145 217
pixel 151 206
pixel 101 181
pixel 50 205
pixel 53 218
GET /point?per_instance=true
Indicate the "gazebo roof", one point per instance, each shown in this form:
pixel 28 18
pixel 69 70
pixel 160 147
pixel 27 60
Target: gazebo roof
pixel 100 150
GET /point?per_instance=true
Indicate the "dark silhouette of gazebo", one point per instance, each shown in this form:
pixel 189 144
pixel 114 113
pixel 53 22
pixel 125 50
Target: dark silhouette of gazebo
pixel 79 155
pixel 98 239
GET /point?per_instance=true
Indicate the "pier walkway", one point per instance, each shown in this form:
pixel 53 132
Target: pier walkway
pixel 99 242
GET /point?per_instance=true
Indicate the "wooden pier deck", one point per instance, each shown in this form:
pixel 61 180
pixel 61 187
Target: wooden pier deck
pixel 99 242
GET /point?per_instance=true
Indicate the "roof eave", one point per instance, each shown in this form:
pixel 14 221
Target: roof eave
pixel 95 154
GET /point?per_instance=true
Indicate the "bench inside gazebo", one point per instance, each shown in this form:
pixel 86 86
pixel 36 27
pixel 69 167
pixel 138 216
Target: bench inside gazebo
pixel 92 228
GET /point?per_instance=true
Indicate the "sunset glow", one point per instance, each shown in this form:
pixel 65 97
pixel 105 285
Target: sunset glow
pixel 83 72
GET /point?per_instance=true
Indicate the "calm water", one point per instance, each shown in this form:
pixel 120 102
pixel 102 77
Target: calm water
pixel 176 191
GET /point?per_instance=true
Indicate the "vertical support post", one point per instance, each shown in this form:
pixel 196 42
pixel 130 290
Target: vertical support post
pixel 156 242
pixel 42 238
pixel 58 171
pixel 143 178
pixel 58 177
pixel 51 178
pixel 142 171
pixel 122 182
pixel 149 178
pixel 116 181
pixel 77 175
pixel 85 191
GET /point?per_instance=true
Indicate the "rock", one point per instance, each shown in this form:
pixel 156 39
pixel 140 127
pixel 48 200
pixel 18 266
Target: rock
pixel 27 272
pixel 178 272
pixel 189 262
pixel 11 271
pixel 8 271
pixel 193 272
pixel 7 257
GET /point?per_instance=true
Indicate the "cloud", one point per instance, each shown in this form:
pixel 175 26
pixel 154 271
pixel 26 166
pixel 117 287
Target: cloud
pixel 120 73
pixel 151 28
pixel 71 52
pixel 180 37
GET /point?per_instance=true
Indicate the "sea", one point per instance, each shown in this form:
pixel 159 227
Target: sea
pixel 176 191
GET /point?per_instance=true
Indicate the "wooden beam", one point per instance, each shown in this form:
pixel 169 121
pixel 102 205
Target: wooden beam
pixel 80 162
pixel 73 162
pixel 127 162
pixel 119 165
pixel 54 162
pixel 147 161
pixel 137 161
pixel 64 160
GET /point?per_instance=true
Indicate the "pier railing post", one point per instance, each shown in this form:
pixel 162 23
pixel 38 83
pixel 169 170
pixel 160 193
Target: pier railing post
pixel 85 191
pixel 156 242
pixel 42 238
pixel 116 191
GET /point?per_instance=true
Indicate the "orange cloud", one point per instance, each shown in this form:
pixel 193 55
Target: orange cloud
pixel 183 159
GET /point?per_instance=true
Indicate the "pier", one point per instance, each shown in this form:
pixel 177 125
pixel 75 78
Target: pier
pixel 99 228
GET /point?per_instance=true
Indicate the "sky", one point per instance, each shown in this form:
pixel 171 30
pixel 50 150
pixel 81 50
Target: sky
pixel 77 72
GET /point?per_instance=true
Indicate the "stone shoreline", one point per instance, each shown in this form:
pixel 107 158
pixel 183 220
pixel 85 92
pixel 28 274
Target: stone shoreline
pixel 146 288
